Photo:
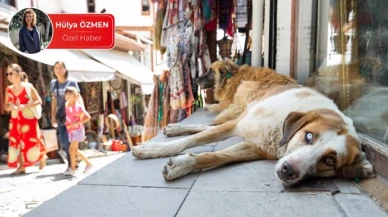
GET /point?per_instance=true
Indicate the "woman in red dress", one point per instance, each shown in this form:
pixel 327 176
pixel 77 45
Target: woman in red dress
pixel 25 144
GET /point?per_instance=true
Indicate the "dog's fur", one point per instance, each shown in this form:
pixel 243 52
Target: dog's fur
pixel 230 105
pixel 297 126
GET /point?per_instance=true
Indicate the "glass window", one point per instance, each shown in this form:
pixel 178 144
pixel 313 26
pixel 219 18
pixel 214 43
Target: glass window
pixel 352 60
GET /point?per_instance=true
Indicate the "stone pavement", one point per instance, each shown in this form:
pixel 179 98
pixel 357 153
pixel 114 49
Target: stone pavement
pixel 131 187
pixel 19 194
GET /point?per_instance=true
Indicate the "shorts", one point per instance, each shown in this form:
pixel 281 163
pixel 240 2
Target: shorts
pixel 77 135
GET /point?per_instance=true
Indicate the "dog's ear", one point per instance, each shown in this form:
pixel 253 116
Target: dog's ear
pixel 360 168
pixel 293 123
pixel 226 70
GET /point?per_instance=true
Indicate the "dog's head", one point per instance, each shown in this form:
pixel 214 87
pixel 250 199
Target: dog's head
pixel 320 143
pixel 217 75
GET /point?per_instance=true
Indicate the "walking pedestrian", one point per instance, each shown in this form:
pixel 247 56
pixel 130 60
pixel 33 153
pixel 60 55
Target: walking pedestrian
pixel 76 116
pixel 25 142
pixel 58 112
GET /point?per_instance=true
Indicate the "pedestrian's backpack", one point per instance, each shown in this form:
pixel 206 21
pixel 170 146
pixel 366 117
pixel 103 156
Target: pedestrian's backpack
pixel 60 115
pixel 37 110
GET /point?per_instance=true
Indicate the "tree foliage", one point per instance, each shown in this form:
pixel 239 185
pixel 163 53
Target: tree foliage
pixel 17 20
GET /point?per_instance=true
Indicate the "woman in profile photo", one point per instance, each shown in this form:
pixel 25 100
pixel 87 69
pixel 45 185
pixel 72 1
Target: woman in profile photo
pixel 29 36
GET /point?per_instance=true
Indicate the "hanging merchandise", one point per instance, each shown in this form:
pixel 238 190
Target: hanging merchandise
pixel 166 99
pixel 151 120
pixel 210 14
pixel 123 100
pixel 184 36
pixel 225 46
pixel 225 10
pixel 160 14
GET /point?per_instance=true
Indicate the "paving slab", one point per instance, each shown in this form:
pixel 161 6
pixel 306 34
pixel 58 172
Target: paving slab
pixel 314 185
pixel 346 186
pixel 200 116
pixel 249 176
pixel 96 201
pixel 355 205
pixel 225 204
pixel 129 171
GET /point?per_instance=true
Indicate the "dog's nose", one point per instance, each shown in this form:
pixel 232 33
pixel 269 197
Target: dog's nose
pixel 288 172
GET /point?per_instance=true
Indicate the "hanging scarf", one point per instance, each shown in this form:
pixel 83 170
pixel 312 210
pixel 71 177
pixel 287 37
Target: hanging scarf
pixel 160 14
pixel 166 99
pixel 151 120
pixel 160 93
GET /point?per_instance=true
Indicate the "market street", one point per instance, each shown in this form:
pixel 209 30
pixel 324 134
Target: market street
pixel 22 193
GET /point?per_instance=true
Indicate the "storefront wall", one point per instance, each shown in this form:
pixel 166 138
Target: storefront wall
pixel 340 47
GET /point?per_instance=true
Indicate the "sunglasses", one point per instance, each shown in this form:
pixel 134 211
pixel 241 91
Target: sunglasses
pixel 6 74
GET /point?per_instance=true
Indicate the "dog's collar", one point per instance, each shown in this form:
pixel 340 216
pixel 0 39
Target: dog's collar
pixel 228 74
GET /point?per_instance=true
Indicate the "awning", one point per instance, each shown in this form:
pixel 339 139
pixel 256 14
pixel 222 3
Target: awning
pixel 80 67
pixel 126 66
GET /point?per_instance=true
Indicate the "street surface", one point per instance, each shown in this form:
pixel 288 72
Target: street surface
pixel 22 193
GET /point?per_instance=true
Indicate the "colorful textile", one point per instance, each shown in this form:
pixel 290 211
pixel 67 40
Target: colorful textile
pixel 225 10
pixel 24 135
pixel 151 120
pixel 160 14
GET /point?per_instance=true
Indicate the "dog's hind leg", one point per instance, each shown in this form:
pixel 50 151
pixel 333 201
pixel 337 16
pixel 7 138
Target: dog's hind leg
pixel 165 149
pixel 180 166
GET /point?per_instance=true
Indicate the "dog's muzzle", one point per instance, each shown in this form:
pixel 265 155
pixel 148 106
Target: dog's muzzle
pixel 287 172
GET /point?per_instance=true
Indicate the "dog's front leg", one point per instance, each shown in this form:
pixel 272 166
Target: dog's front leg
pixel 217 108
pixel 165 149
pixel 180 166
pixel 181 129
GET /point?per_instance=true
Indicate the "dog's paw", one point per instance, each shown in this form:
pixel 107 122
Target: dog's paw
pixel 178 167
pixel 211 108
pixel 368 171
pixel 172 130
pixel 148 150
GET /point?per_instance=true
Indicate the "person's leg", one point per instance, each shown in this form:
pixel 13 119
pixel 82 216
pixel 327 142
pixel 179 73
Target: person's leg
pixel 82 156
pixel 64 139
pixel 21 169
pixel 73 154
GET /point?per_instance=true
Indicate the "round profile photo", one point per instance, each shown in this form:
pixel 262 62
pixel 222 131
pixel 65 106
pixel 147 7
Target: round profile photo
pixel 30 30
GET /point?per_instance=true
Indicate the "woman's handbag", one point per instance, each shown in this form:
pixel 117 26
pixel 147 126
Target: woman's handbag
pixel 37 110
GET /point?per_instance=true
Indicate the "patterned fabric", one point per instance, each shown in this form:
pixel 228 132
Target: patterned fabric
pixel 173 116
pixel 160 104
pixel 166 99
pixel 151 120
pixel 160 14
pixel 187 54
pixel 24 133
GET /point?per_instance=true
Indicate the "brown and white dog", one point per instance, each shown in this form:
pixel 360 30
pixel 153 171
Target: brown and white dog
pixel 297 126
pixel 226 78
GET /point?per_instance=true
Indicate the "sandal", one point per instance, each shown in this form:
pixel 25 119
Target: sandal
pixel 18 172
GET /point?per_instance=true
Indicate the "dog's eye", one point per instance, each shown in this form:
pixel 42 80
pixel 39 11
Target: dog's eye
pixel 329 161
pixel 309 137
